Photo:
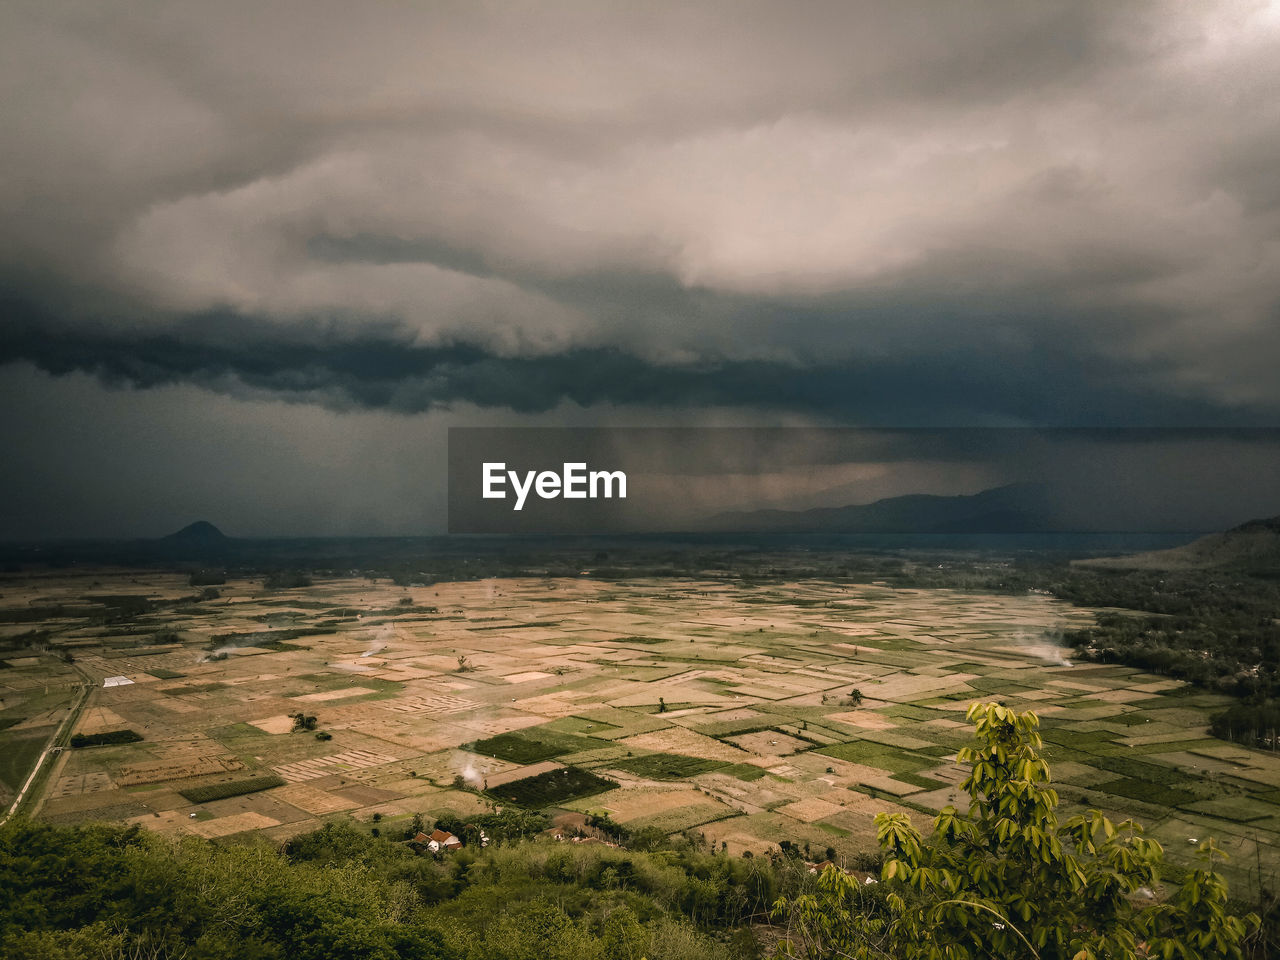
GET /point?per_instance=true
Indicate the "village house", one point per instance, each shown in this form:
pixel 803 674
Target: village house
pixel 438 840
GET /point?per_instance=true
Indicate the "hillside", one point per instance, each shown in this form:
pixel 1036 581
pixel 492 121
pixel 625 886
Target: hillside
pixel 1252 546
pixel 200 532
pixel 1017 508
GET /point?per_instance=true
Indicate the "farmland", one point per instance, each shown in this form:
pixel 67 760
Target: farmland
pixel 750 713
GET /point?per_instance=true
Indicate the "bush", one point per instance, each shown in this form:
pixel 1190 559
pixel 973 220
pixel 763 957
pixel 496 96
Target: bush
pixel 287 580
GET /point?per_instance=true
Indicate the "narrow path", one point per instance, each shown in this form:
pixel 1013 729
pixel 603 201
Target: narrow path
pixel 57 742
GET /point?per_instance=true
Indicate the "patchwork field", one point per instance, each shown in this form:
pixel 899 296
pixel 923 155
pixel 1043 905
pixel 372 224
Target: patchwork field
pixel 751 714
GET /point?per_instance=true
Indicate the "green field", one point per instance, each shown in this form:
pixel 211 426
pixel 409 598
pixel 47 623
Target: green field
pixel 665 766
pixel 531 746
pixel 871 754
pixel 19 755
pixel 553 787
pixel 760 739
pixel 234 788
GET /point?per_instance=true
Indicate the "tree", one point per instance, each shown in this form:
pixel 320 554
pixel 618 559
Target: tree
pixel 1008 880
pixel 302 721
pixel 286 580
pixel 855 697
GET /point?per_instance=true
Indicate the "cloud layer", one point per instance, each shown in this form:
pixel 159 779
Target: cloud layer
pixel 678 184
pixel 1017 212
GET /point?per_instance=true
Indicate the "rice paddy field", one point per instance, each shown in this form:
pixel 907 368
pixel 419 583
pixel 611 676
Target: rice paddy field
pixel 678 705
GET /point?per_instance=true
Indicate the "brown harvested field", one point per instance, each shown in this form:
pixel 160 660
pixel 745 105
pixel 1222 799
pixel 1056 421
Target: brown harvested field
pixel 236 823
pixel 698 813
pixel 769 743
pixel 100 720
pixel 89 800
pixel 517 773
pixel 865 719
pixel 159 771
pixel 340 694
pixel 810 809
pixel 627 805
pixel 686 742
pixel 755 681
pixel 83 783
pixel 281 723
pixel 314 800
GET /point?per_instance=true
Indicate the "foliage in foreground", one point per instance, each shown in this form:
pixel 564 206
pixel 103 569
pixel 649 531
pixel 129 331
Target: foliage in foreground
pixel 1005 880
pixel 106 892
pixel 1009 880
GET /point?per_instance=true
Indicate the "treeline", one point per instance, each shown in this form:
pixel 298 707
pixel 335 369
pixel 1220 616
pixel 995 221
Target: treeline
pixel 1217 650
pixel 1213 629
pixel 340 894
pixel 101 739
pixel 1253 724
pixel 1190 593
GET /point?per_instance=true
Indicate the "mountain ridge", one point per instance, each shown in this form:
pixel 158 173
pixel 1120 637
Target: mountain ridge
pixel 1012 508
pixel 199 532
pixel 1253 545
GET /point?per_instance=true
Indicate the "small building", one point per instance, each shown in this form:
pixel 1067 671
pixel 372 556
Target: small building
pixel 442 840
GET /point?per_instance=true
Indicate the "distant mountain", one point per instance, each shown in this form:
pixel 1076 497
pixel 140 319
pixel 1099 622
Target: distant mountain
pixel 1251 546
pixel 200 533
pixel 1017 508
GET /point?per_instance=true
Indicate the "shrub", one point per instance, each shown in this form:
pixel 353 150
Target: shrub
pixel 286 580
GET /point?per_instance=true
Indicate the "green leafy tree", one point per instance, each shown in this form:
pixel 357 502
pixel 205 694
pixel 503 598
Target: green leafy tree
pixel 1008 880
pixel 1195 922
pixel 623 937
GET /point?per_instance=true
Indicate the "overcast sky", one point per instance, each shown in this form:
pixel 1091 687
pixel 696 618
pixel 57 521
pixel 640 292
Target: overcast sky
pixel 256 258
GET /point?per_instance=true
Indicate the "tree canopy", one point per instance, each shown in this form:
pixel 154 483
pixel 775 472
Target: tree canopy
pixel 1008 879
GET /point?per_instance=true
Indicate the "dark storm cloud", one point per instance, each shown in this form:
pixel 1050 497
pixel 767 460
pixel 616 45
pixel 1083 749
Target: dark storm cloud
pixel 383 368
pixel 1025 212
